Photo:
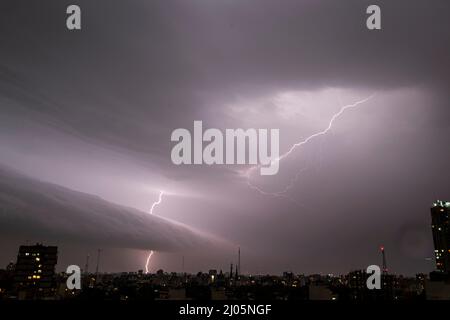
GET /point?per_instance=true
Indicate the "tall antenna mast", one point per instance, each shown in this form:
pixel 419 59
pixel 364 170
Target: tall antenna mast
pixel 86 267
pixel 98 262
pixel 239 261
pixel 384 268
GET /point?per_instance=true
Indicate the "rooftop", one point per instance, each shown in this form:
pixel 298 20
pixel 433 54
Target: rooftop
pixel 440 203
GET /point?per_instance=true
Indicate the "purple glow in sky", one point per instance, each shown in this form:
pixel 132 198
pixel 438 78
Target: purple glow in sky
pixel 93 111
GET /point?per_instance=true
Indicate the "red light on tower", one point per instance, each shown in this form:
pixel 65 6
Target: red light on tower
pixel 382 248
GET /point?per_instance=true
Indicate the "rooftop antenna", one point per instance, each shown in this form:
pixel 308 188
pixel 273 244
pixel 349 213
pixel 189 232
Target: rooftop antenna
pixel 98 262
pixel 384 267
pixel 239 261
pixel 86 267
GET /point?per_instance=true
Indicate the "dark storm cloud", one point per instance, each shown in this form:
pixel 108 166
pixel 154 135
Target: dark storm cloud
pixel 101 104
pixel 137 71
pixel 39 210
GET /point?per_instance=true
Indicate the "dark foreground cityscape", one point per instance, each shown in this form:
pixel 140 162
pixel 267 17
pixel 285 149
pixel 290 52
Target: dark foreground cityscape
pixel 33 277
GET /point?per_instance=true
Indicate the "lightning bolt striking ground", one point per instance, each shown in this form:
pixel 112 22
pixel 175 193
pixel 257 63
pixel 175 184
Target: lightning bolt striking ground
pixel 299 144
pixel 151 212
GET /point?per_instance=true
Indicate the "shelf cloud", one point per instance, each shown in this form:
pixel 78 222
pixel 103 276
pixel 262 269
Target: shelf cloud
pixel 48 212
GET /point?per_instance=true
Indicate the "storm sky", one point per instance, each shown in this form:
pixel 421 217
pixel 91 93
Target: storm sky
pixel 93 111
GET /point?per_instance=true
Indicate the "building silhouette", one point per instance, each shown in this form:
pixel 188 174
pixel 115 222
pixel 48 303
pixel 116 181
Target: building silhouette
pixel 34 274
pixel 440 213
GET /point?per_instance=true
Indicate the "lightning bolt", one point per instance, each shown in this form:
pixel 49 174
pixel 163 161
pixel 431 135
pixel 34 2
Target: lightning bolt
pixel 298 145
pixel 151 212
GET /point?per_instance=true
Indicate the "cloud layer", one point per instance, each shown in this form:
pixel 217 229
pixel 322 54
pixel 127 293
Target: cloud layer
pixel 48 212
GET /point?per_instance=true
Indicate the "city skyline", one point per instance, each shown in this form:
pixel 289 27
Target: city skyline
pixel 34 277
pixel 439 228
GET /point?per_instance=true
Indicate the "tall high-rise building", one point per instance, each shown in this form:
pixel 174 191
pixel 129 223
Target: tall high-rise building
pixel 35 270
pixel 440 220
